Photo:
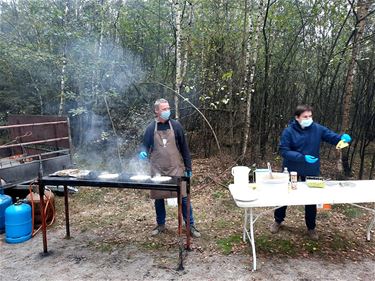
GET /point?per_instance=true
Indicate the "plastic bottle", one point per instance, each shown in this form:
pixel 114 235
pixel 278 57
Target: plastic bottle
pixel 287 174
pixel 293 180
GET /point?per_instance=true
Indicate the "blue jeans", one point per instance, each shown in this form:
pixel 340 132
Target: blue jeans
pixel 310 212
pixel 310 215
pixel 160 211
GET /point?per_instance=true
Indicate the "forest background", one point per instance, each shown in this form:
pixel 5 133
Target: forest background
pixel 233 72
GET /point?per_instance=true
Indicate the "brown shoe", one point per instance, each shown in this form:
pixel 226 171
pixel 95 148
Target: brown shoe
pixel 158 229
pixel 275 227
pixel 194 232
pixel 312 234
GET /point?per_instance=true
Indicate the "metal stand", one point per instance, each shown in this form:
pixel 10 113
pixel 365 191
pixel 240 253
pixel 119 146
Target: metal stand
pixel 66 201
pixel 175 186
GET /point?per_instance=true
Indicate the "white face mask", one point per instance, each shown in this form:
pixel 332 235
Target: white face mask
pixel 306 122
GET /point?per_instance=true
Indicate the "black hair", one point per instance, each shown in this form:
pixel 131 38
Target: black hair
pixel 301 109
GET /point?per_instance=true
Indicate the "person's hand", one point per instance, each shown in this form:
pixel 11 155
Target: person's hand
pixel 188 173
pixel 346 138
pixel 143 155
pixel 311 159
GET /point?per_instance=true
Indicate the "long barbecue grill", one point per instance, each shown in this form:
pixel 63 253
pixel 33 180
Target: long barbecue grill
pixel 122 181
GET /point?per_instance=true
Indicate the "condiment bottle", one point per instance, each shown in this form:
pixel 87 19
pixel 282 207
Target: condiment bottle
pixel 293 180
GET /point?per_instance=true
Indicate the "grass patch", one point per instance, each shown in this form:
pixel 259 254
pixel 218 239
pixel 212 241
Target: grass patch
pixel 222 224
pixel 349 211
pixel 352 212
pixel 226 244
pixel 338 243
pixel 269 244
pixel 218 194
pixel 311 246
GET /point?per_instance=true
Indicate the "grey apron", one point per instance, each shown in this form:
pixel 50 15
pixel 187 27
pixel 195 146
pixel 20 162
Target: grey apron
pixel 166 160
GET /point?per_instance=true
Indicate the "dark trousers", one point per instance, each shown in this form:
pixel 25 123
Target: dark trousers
pixel 161 213
pixel 310 215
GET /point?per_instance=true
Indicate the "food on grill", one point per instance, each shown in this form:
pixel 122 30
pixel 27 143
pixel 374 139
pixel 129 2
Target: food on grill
pixel 108 176
pixel 161 178
pixel 139 177
pixel 77 173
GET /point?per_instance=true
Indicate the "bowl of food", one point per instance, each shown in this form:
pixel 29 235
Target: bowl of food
pixel 315 182
pixel 274 178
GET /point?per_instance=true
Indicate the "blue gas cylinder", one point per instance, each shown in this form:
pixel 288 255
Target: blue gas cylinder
pixel 5 201
pixel 18 223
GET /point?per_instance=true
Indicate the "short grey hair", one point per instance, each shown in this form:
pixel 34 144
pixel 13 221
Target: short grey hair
pixel 158 102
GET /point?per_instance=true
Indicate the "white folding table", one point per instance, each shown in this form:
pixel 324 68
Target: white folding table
pixel 335 192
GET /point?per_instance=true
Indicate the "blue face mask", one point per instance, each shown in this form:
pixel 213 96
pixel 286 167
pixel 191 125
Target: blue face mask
pixel 306 122
pixel 165 115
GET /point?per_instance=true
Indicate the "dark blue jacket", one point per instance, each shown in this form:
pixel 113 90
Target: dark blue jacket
pixel 296 142
pixel 182 146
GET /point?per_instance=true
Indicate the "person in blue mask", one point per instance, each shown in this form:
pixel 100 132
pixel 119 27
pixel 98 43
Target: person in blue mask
pixel 165 145
pixel 300 147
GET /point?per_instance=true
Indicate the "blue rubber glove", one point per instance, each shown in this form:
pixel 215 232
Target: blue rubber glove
pixel 310 159
pixel 346 138
pixel 188 173
pixel 142 155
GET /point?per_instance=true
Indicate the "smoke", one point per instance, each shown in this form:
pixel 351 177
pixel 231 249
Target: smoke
pixel 106 129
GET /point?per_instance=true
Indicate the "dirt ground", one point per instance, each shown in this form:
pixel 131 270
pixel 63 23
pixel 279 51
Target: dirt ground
pixel 110 231
pixel 74 259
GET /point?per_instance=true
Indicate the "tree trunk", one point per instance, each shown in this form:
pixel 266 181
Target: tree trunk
pixel 362 10
pixel 178 54
pixel 250 62
pixel 62 86
pixel 263 130
pixel 63 67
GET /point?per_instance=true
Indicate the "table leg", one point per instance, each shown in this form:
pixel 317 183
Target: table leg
pixel 43 217
pixel 252 239
pixel 244 226
pixel 370 226
pixel 67 226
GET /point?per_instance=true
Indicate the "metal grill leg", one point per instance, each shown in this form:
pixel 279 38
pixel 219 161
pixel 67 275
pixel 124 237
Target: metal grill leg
pixel 67 226
pixel 44 224
pixel 181 241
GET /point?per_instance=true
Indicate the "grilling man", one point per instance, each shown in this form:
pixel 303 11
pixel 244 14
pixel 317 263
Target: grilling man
pixel 164 143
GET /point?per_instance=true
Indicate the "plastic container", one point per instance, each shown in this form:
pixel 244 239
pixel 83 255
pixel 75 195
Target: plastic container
pixel 293 180
pixel 5 202
pixel 260 174
pixel 241 175
pixel 18 223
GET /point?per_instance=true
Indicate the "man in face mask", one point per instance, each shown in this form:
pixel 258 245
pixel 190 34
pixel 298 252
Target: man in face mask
pixel 164 144
pixel 300 146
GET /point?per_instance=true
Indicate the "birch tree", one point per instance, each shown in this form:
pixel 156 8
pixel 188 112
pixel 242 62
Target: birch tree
pixel 63 67
pixel 178 49
pixel 251 56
